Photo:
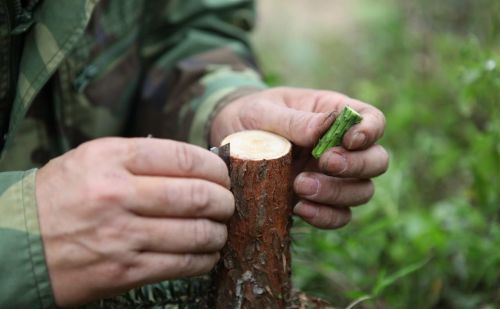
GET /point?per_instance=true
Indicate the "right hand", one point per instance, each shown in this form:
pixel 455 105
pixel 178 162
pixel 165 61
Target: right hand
pixel 117 213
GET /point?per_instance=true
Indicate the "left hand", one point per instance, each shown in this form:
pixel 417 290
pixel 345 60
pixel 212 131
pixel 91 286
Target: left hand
pixel 326 188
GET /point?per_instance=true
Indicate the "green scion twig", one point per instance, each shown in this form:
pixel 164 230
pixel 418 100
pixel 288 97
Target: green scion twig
pixel 333 137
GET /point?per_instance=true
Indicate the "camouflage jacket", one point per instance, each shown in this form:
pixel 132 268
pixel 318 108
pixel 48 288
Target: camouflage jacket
pixel 75 70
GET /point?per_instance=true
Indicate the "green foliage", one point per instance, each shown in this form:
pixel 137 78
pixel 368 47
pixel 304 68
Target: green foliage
pixel 431 236
pixel 174 294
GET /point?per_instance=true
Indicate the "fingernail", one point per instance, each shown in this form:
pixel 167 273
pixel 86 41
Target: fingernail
pixel 336 163
pixel 307 185
pixel 357 141
pixel 306 211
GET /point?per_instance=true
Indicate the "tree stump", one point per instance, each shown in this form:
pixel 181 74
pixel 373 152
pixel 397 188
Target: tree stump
pixel 255 269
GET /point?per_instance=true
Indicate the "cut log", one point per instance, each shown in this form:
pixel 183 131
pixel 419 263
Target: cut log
pixel 254 271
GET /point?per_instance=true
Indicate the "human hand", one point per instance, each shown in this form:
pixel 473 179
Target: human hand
pixel 118 213
pixel 327 187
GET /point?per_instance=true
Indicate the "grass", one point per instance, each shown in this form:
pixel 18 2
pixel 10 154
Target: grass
pixel 430 238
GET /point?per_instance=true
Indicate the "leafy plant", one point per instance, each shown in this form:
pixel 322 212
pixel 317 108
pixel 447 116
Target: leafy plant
pixel 430 237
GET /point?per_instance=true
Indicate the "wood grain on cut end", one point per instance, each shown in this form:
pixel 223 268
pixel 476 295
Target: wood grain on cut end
pixel 257 145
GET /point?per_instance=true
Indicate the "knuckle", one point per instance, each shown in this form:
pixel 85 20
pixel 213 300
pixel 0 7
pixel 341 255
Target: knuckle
pixel 332 219
pixel 116 231
pixel 200 196
pixel 85 151
pixel 202 233
pixel 323 219
pixel 186 261
pixel 339 218
pixel 102 148
pixel 171 194
pixel 106 192
pixel 69 162
pixel 131 150
pixel 186 159
pixel 291 123
pixel 359 166
pixel 118 271
pixel 250 118
pixel 302 126
pixel 316 127
pixel 335 193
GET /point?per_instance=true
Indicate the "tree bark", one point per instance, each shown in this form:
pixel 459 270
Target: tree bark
pixel 254 271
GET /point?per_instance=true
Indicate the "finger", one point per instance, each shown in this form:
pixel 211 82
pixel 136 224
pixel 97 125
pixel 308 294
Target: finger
pixel 156 267
pixel 322 216
pixel 368 131
pixel 158 157
pixel 303 128
pixel 327 190
pixel 177 235
pixel 180 198
pixel 368 163
pixel 360 136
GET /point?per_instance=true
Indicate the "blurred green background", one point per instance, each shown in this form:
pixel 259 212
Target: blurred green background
pixel 431 236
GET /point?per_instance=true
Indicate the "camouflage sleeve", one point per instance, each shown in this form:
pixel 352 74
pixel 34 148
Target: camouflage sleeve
pixel 25 280
pixel 199 56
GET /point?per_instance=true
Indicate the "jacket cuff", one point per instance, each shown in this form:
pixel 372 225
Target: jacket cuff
pixel 25 280
pixel 221 86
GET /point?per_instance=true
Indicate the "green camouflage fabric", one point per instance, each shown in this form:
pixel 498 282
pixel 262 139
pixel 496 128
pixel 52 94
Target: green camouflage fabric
pixel 76 70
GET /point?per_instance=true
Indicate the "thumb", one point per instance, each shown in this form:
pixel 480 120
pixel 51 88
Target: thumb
pixel 300 127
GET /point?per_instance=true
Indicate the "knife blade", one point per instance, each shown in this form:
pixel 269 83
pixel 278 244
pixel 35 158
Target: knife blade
pixel 223 152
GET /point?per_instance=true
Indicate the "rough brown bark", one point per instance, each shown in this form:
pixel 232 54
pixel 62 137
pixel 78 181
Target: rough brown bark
pixel 254 271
